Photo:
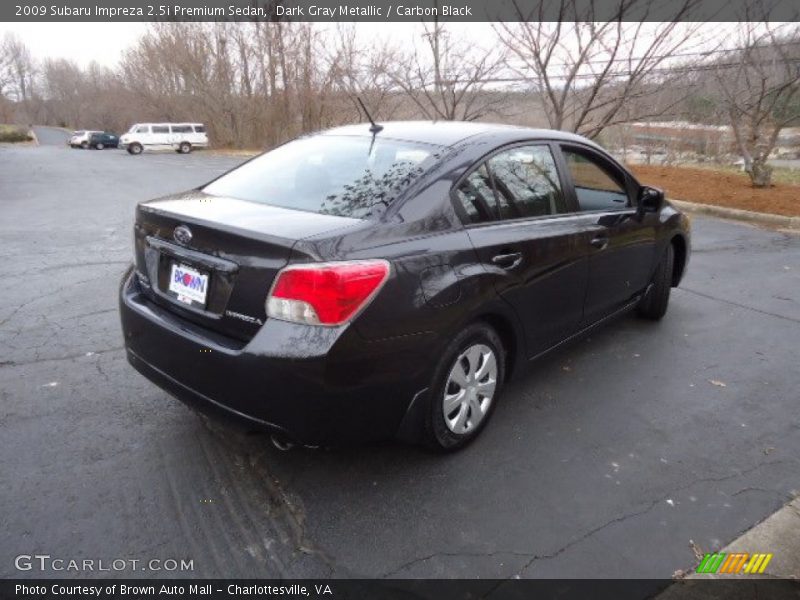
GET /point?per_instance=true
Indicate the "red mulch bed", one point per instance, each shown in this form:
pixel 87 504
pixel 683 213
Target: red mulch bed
pixel 719 188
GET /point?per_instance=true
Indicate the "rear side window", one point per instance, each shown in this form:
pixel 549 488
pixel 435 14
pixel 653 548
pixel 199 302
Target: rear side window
pixel 200 128
pixel 596 187
pixel 181 129
pixel 515 184
pixel 477 195
pixel 160 129
pixel 526 177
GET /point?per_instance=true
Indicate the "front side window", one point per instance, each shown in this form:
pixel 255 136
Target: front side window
pixel 527 180
pixel 349 176
pixel 200 128
pixel 142 129
pixel 595 186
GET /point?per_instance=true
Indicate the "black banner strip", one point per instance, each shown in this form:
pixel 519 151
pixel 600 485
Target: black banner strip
pixel 405 589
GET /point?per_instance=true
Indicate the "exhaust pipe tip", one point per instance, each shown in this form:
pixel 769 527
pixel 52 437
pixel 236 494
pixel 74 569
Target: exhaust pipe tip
pixel 281 443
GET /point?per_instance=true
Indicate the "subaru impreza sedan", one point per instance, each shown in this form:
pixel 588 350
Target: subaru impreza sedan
pixel 366 282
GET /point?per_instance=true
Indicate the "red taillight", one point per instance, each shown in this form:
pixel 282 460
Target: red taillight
pixel 325 293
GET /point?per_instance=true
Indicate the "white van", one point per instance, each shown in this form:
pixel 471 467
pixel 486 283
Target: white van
pixel 181 137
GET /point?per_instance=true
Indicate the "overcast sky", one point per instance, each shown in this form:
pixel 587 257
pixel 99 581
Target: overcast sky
pixel 82 42
pixel 104 42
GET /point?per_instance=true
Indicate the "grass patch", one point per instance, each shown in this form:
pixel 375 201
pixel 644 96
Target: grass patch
pixel 14 133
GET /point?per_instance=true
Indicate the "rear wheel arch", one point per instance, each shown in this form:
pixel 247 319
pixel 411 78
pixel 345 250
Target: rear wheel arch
pixel 508 336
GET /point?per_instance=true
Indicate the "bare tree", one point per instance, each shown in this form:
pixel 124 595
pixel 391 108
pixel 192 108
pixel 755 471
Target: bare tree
pixel 590 75
pixel 761 92
pixel 362 72
pixel 449 78
pixel 17 72
pixel 64 86
pixel 254 83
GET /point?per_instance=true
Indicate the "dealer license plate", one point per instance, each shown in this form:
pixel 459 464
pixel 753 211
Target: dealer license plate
pixel 188 284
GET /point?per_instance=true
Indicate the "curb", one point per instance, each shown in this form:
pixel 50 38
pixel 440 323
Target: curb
pixel 778 535
pixel 738 214
pixel 233 153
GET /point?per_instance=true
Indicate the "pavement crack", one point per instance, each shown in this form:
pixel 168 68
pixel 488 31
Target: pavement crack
pixel 744 490
pixel 16 310
pixel 94 313
pixel 86 264
pixel 20 363
pixel 740 305
pixel 101 371
pixel 650 506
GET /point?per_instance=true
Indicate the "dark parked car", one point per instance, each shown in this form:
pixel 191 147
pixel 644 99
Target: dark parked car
pixel 98 141
pixel 367 283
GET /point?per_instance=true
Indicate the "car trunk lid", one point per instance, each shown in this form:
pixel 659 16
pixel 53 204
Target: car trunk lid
pixel 212 259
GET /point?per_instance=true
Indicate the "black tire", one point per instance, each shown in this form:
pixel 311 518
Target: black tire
pixel 99 146
pixel 85 145
pixel 654 304
pixel 135 148
pixel 437 434
pixel 185 148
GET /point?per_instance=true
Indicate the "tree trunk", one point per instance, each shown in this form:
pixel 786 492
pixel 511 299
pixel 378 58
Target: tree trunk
pixel 760 173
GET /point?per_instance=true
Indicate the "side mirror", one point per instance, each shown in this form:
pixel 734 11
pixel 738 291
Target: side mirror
pixel 650 199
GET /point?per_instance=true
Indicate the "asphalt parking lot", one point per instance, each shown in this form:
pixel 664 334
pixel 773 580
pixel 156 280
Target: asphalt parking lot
pixel 603 460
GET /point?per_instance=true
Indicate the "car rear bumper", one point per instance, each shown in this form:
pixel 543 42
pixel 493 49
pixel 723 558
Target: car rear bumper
pixel 312 385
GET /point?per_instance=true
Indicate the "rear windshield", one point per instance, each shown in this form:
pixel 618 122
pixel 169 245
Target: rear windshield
pixel 343 176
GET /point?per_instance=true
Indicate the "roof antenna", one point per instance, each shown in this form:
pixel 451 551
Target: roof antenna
pixel 375 128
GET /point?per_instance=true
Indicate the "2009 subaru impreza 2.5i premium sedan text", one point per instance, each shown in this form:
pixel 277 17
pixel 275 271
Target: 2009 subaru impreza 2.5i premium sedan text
pixel 364 283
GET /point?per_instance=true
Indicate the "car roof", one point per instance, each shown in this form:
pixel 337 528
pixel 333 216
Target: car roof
pixel 449 133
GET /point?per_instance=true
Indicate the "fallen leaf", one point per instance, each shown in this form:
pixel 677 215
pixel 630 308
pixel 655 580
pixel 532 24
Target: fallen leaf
pixel 698 553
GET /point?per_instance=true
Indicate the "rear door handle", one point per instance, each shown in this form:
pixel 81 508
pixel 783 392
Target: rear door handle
pixel 508 260
pixel 600 242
